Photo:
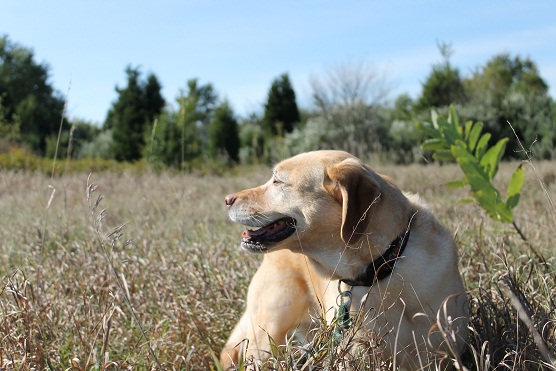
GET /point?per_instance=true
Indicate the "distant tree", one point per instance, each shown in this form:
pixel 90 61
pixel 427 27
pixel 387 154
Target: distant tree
pixel 72 139
pixel 28 98
pixel 223 133
pixel 253 139
pixel 349 84
pixel 101 146
pixel 180 135
pixel 154 101
pixel 403 108
pixel 135 108
pixel 9 129
pixel 163 140
pixel 349 112
pixel 359 129
pixel 281 112
pixel 404 137
pixel 197 103
pixel 82 131
pixel 174 141
pixel 511 89
pixel 200 102
pixel 503 74
pixel 443 86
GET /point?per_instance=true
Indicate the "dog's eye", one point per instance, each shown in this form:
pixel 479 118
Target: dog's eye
pixel 276 180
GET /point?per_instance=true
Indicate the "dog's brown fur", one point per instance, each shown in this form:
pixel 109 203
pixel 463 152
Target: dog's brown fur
pixel 346 215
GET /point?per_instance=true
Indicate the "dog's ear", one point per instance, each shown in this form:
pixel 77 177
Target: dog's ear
pixel 353 185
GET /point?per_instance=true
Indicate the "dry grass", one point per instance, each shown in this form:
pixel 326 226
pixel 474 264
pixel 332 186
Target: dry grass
pixel 180 265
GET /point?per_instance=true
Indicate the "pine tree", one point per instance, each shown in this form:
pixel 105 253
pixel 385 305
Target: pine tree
pixel 281 111
pixel 444 85
pixel 132 113
pixel 154 102
pixel 223 133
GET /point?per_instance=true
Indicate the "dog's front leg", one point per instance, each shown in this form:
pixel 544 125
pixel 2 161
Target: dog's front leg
pixel 276 304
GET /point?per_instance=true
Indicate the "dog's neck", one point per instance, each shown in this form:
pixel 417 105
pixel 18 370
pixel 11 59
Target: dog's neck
pixel 383 266
pixel 358 267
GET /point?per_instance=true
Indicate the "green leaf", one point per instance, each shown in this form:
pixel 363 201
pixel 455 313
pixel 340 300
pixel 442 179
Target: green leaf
pixel 428 129
pixel 482 190
pixel 434 118
pixel 449 132
pixel 514 187
pixel 453 117
pixel 474 135
pixel 489 198
pixel 434 144
pixel 468 126
pixel 482 145
pixel 456 184
pixel 492 157
pixel 443 155
pixel 469 148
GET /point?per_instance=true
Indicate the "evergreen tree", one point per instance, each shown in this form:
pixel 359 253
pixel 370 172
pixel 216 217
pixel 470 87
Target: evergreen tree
pixel 134 110
pixel 27 97
pixel 201 101
pixel 175 140
pixel 223 133
pixel 154 102
pixel 281 112
pixel 180 135
pixel 443 86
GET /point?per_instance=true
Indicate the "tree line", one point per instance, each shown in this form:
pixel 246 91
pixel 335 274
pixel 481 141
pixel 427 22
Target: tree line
pixel 352 110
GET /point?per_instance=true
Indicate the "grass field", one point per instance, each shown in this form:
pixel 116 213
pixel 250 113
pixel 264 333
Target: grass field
pixel 177 258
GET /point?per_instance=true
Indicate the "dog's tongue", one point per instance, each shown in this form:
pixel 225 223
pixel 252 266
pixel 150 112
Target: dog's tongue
pixel 274 227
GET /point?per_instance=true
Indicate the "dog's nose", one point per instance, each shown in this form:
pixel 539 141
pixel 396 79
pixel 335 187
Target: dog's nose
pixel 229 200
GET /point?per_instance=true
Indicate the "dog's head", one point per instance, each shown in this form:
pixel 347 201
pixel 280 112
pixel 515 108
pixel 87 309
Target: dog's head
pixel 319 200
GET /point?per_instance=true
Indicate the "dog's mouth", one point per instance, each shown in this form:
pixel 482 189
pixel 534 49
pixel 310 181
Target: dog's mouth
pixel 262 239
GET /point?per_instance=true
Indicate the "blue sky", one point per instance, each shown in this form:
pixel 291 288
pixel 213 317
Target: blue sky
pixel 241 46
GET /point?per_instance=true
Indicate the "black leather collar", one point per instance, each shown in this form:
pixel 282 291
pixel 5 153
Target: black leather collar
pixel 383 266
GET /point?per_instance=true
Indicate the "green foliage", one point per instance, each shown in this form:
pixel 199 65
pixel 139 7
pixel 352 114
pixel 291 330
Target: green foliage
pixel 503 74
pixel 100 147
pixel 404 139
pixel 281 112
pixel 28 98
pixel 82 132
pixel 464 144
pixel 196 109
pixel 137 105
pixel 253 140
pixel 179 136
pixel 505 89
pixel 403 108
pixel 163 141
pixel 198 102
pixel 153 100
pixel 10 129
pixel 443 86
pixel 511 89
pixel 357 128
pixel 20 159
pixel 223 134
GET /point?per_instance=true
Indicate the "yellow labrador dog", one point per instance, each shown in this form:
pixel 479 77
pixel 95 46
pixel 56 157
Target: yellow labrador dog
pixel 325 217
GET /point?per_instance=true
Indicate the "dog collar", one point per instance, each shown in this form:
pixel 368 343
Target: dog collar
pixel 383 266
